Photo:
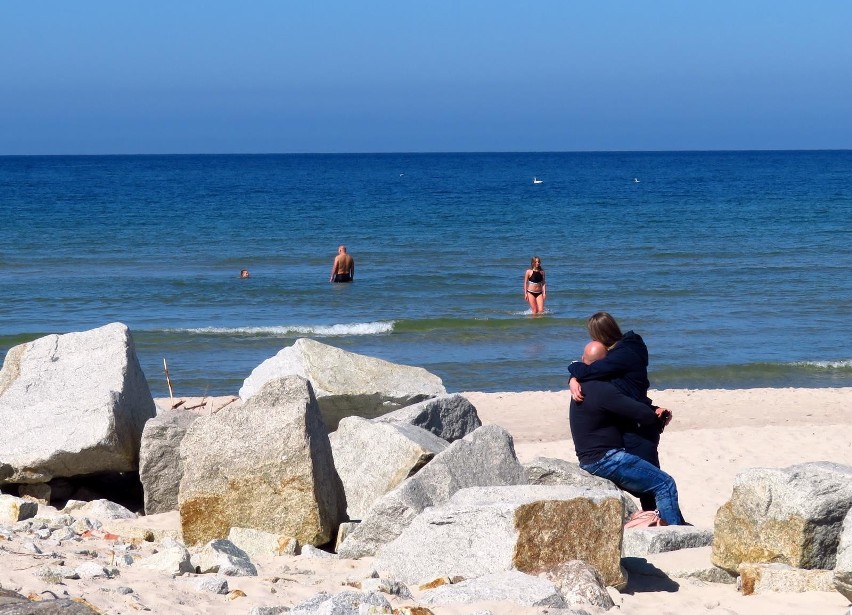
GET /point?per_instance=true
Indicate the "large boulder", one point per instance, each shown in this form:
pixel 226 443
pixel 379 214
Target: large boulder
pixel 450 417
pixel 485 457
pixel 843 565
pixel 265 465
pixel 160 468
pixel 345 383
pixel 373 458
pixel 788 516
pixel 72 404
pixel 550 471
pixel 528 528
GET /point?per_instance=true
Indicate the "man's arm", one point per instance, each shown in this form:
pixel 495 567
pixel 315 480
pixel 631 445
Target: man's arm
pixel 614 401
pixel 334 268
pixel 617 363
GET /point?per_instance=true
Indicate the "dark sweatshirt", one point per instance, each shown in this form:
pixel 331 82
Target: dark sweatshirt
pixel 626 366
pixel 595 423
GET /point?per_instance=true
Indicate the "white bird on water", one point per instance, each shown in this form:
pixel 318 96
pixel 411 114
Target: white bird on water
pixel 536 180
pixel 635 180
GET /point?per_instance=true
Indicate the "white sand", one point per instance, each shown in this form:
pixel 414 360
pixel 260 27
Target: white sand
pixel 715 434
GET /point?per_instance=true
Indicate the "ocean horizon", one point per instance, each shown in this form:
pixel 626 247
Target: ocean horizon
pixel 734 266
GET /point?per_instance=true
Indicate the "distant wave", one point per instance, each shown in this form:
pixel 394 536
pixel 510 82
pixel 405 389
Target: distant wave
pixel 749 375
pixel 358 328
pixel 841 364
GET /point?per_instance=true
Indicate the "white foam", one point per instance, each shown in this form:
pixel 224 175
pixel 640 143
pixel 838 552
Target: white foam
pixel 843 364
pixel 358 328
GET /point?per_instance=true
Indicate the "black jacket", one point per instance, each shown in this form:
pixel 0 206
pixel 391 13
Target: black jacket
pixel 595 422
pixel 626 366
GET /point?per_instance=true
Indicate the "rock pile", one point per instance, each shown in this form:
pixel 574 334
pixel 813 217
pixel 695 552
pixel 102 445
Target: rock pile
pixel 333 455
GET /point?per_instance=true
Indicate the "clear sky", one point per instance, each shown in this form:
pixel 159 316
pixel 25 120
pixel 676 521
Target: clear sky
pixel 208 76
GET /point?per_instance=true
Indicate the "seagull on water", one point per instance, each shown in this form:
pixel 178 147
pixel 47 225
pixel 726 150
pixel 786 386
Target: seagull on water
pixel 536 180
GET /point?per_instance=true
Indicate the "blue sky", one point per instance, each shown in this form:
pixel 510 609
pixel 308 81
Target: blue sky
pixel 103 77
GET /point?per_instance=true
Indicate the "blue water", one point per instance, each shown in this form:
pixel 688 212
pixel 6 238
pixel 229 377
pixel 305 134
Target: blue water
pixel 736 267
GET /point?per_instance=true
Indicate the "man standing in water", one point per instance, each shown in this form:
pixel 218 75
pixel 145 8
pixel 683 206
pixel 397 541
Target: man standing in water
pixel 343 269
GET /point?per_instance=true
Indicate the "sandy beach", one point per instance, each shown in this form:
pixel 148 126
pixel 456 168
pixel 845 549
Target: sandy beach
pixel 714 435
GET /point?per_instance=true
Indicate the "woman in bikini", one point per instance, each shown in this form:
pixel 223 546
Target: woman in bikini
pixel 535 287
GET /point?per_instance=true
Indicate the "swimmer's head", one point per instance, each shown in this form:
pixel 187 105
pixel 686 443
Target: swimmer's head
pixel 244 273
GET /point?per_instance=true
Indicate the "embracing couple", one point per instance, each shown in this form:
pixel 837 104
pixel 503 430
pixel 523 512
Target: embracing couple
pixel 615 427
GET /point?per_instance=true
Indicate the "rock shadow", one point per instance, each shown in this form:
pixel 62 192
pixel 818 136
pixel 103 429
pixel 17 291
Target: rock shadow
pixel 643 576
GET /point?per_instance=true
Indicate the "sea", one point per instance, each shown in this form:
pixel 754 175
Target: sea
pixel 735 267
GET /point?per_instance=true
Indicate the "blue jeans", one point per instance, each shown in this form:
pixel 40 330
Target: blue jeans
pixel 637 475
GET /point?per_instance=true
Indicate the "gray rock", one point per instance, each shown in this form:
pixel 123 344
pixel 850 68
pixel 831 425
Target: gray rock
pixel 773 578
pixel 843 565
pixel 160 468
pixel 266 465
pixel 784 515
pixel 386 586
pixel 507 586
pixel 580 585
pixel 223 557
pixel 72 404
pixel 550 471
pixel 56 574
pixel 312 551
pixel 373 458
pixel 63 606
pixel 269 610
pixel 63 533
pixel 450 417
pixel 258 543
pixel 345 383
pixel 30 547
pixel 529 528
pixel 13 510
pixel 171 558
pixel 104 509
pixel 343 532
pixel 92 570
pixel 344 603
pixel 483 458
pixel 642 541
pixel 214 585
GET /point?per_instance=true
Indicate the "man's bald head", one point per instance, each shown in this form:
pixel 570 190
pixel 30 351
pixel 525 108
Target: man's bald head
pixel 593 351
